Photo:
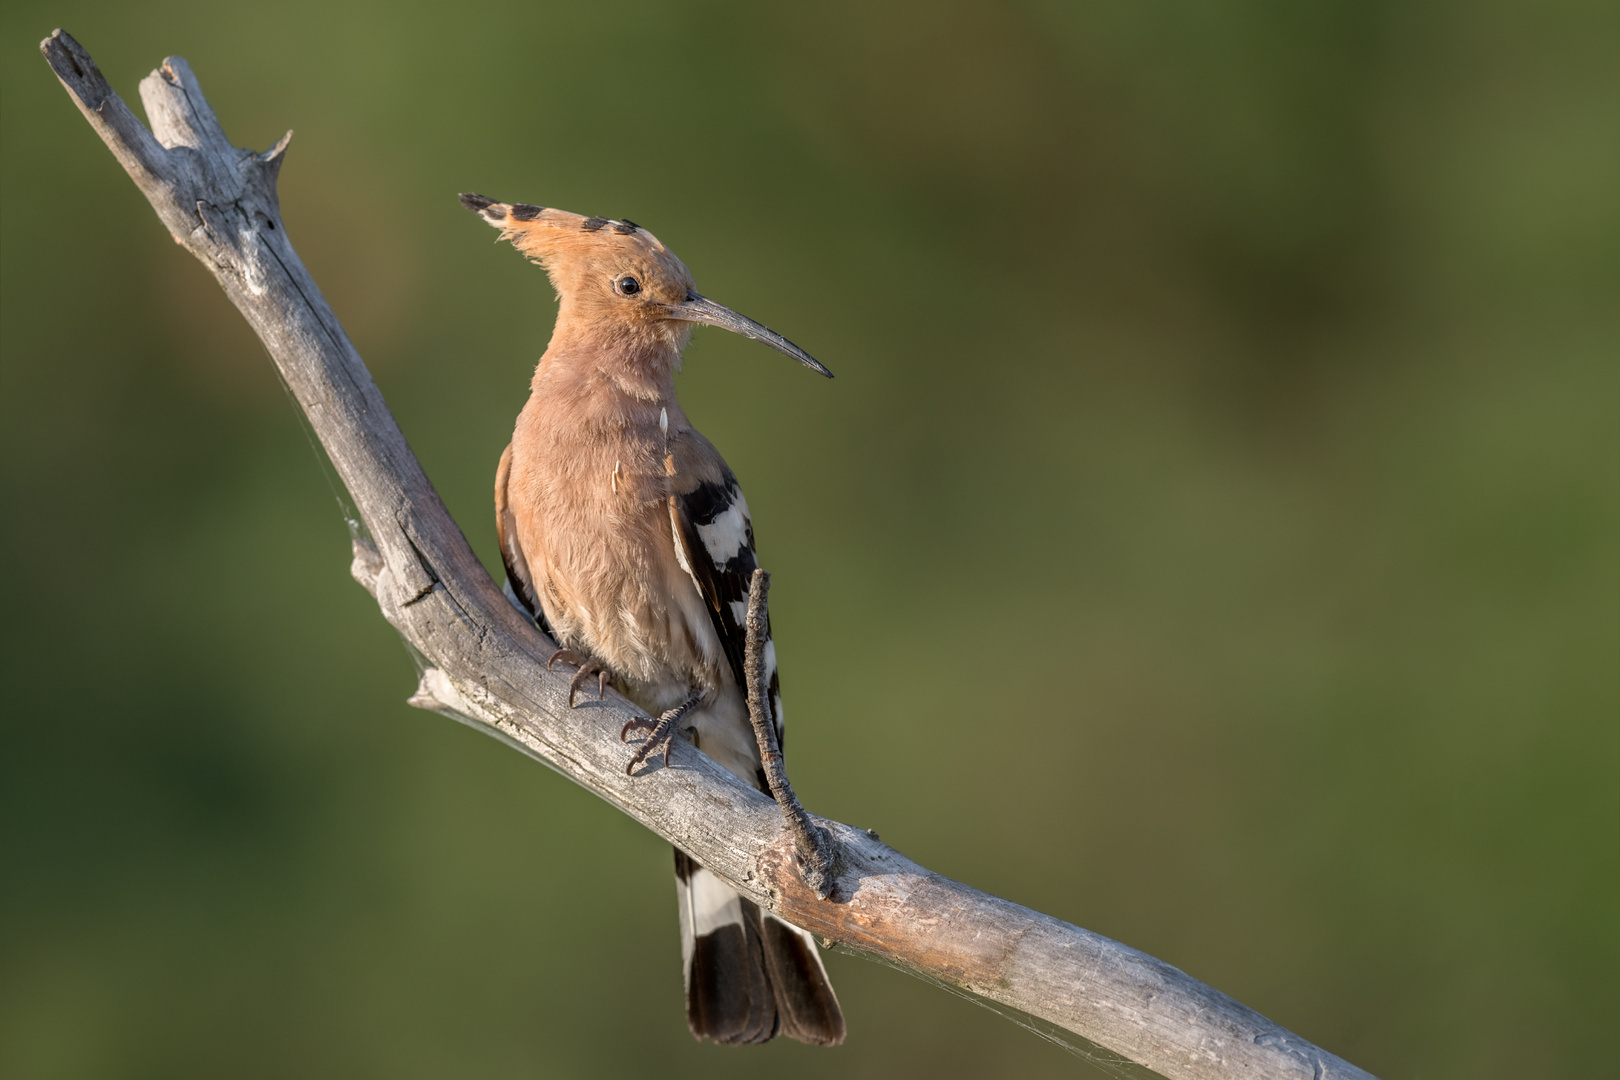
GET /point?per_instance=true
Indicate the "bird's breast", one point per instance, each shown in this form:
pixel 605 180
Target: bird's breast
pixel 591 509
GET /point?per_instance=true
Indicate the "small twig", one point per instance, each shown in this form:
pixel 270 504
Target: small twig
pixel 818 851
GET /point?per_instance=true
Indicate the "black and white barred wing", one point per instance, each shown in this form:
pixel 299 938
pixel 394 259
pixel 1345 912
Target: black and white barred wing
pixel 716 546
pixel 749 975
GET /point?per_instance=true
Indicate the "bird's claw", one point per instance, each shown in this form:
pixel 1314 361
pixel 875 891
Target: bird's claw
pixel 588 665
pixel 661 736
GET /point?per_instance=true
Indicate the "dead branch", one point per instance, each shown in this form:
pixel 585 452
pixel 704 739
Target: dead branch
pixel 487 664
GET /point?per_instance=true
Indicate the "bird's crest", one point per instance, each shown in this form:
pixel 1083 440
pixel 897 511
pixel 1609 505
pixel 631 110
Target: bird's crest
pixel 544 232
pixel 582 253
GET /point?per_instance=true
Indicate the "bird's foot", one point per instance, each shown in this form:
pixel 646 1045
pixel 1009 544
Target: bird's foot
pixel 661 732
pixel 588 665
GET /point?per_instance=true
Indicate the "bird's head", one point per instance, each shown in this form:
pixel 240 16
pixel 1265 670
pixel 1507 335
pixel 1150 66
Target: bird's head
pixel 617 279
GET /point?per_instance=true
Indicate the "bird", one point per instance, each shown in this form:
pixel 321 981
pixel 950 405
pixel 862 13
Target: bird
pixel 626 537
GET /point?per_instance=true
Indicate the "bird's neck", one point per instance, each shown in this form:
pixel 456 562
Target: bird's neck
pixel 640 361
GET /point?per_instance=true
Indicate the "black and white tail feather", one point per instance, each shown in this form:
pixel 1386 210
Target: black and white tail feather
pixel 749 976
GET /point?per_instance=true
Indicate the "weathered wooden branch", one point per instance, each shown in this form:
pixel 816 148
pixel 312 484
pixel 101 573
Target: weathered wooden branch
pixel 486 664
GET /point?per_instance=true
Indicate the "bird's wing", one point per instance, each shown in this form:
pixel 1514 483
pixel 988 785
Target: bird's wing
pixel 519 583
pixel 749 975
pixel 715 543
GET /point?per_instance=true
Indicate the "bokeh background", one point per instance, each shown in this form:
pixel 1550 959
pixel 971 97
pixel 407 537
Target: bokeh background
pixel 1212 536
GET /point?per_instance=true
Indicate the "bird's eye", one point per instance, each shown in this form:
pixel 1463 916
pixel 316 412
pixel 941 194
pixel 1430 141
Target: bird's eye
pixel 627 286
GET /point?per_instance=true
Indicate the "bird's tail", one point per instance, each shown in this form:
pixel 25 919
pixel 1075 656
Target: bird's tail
pixel 749 975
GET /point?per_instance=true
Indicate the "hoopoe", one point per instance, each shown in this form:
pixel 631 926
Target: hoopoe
pixel 626 536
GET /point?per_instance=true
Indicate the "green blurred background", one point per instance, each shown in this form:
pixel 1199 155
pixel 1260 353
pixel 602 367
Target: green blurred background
pixel 1212 537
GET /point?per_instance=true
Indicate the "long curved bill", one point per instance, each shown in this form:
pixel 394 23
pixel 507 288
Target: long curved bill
pixel 700 309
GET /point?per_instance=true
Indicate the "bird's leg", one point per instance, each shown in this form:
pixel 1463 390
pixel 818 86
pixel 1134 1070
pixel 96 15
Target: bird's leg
pixel 663 731
pixel 818 853
pixel 588 665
